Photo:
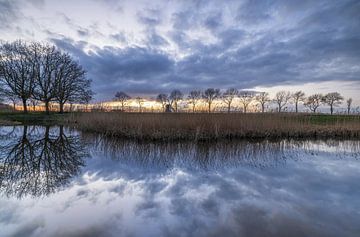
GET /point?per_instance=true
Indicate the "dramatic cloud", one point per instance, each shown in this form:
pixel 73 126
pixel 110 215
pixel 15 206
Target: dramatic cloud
pixel 8 13
pixel 155 47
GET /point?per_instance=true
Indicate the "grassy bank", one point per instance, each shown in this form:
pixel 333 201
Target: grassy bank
pixel 33 118
pixel 183 126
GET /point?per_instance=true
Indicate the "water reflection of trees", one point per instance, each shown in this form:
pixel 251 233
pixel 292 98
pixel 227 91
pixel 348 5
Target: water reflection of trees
pixel 38 160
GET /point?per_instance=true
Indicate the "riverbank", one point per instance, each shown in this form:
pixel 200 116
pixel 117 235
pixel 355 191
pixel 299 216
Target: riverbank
pixel 207 127
pixel 199 126
pixel 33 118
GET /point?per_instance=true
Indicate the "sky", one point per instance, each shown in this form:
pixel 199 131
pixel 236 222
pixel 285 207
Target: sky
pixel 150 47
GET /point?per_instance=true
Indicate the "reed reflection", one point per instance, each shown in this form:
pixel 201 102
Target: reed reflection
pixel 205 156
pixel 38 160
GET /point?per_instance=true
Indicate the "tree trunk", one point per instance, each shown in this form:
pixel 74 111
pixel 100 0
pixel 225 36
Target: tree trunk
pixel 296 107
pixel 61 105
pixel 229 108
pixel 14 105
pixel 193 108
pixel 262 108
pixel 47 110
pixel 24 106
pixel 209 107
pixel 331 109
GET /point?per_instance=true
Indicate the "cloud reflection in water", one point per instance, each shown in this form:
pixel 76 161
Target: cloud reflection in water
pixel 226 189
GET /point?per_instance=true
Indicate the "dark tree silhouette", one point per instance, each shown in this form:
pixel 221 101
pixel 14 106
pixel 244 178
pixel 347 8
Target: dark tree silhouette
pixel 17 71
pixel 333 99
pixel 281 99
pixel 9 97
pixel 313 102
pixel 297 97
pixel 175 97
pixel 71 84
pixel 245 99
pixel 194 97
pixel 229 96
pixel 163 99
pixel 46 60
pixel 122 97
pixel 43 73
pixel 210 95
pixel 262 98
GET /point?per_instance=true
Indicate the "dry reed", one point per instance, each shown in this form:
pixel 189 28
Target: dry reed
pixel 206 127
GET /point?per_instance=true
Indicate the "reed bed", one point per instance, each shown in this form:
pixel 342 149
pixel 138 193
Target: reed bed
pixel 207 127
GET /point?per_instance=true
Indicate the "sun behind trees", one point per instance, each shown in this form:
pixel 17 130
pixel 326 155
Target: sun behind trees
pixel 41 72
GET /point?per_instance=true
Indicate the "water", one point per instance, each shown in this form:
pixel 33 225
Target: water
pixel 56 181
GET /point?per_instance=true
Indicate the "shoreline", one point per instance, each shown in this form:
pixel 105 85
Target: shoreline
pixel 200 127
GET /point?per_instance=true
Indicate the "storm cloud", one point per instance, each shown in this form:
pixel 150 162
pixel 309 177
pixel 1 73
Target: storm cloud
pixel 152 48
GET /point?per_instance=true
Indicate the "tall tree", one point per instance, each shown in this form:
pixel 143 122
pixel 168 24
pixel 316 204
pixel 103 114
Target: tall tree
pixel 229 96
pixel 71 84
pixel 281 99
pixel 210 95
pixel 46 59
pixel 123 98
pixel 313 102
pixel 245 99
pixel 333 99
pixel 163 99
pixel 175 97
pixel 348 104
pixel 194 97
pixel 17 71
pixel 262 98
pixel 298 96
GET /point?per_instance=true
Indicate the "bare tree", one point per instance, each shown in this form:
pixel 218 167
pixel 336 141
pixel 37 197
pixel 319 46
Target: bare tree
pixel 194 97
pixel 281 99
pixel 210 95
pixel 9 96
pixel 33 103
pixel 71 84
pixel 17 71
pixel 348 104
pixel 140 102
pixel 163 99
pixel 175 97
pixel 298 96
pixel 333 99
pixel 245 99
pixel 123 98
pixel 262 98
pixel 46 59
pixel 228 97
pixel 313 102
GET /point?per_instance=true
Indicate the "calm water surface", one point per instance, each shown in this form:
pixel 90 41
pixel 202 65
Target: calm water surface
pixel 55 181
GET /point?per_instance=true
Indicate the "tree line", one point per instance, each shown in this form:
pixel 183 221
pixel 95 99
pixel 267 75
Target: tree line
pixel 245 99
pixel 39 72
